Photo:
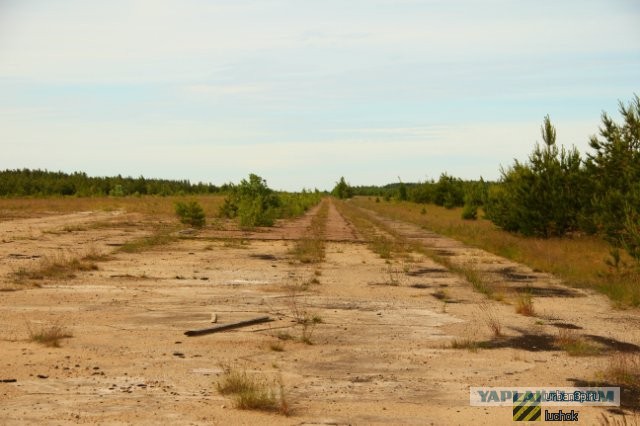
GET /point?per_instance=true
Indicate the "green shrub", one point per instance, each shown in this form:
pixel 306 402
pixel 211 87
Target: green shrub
pixel 470 212
pixel 448 192
pixel 402 192
pixel 342 190
pixel 190 213
pixel 252 202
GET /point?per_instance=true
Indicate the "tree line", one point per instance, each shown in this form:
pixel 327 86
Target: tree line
pixel 43 183
pixel 556 191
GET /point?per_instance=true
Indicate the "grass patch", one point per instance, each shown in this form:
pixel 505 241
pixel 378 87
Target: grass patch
pixel 631 420
pixel 524 305
pixel 579 260
pixel 159 237
pixel 235 243
pixel 59 266
pixel 624 370
pixel 283 335
pixel 252 392
pixel 491 318
pixel 394 276
pixel 478 280
pixel 157 206
pixel 576 345
pixel 382 246
pixel 383 241
pixel 311 248
pixel 398 246
pixel 276 346
pixel 49 336
pixel 442 295
pixel 468 344
pixel 301 314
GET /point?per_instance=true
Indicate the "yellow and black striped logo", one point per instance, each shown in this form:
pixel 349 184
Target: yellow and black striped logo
pixel 526 406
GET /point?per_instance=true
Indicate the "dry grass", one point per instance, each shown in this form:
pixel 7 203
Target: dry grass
pixel 624 370
pixel 235 243
pixel 157 206
pixel 276 346
pixel 466 343
pixel 578 260
pixel 283 335
pixel 252 392
pixel 490 318
pixel 524 305
pixel 394 275
pixel 159 237
pixel 301 313
pixel 311 248
pixel 630 420
pixel 480 282
pixel 49 336
pixel 59 266
pixel 394 245
pixel 382 242
pixel 576 345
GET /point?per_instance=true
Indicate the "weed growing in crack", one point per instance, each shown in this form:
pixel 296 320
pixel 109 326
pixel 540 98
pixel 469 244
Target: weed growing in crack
pixel 491 318
pixel 393 275
pixel 301 314
pixel 524 305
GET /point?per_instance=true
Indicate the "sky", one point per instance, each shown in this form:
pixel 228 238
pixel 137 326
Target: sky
pixel 302 92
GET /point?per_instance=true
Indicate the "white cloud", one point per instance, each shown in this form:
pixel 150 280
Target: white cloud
pixel 305 90
pixel 180 149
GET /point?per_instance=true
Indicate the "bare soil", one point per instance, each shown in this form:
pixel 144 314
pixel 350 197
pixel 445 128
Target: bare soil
pixel 381 355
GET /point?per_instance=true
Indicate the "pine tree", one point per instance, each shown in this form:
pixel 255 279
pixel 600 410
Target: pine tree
pixel 342 189
pixel 614 171
pixel 541 197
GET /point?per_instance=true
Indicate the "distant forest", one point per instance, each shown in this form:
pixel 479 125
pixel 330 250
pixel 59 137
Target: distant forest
pixel 40 183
